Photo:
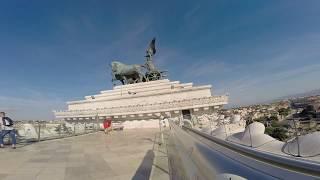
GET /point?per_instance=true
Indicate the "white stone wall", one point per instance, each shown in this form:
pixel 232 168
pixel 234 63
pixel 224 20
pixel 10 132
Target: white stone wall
pixel 142 93
pixel 145 100
pixel 136 124
pixel 136 99
pixel 201 104
pixel 143 89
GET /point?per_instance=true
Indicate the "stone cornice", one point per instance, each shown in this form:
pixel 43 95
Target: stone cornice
pixel 148 108
pixel 137 95
pixel 147 86
pixel 143 84
pixel 141 90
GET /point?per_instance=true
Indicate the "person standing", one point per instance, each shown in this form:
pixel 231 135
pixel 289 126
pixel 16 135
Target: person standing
pixel 7 128
pixel 107 125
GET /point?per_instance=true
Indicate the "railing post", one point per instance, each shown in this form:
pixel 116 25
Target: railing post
pixel 74 129
pixel 225 129
pixel 60 129
pixel 39 128
pixel 97 119
pixel 161 135
pixel 210 121
pixel 297 138
pixel 250 135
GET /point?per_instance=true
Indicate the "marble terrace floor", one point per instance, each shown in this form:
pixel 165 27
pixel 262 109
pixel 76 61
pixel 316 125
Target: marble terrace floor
pixel 121 155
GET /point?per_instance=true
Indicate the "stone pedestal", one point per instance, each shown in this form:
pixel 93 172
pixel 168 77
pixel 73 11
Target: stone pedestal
pixel 144 101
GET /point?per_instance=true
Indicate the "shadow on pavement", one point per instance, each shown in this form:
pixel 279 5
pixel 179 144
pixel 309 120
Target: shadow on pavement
pixel 144 170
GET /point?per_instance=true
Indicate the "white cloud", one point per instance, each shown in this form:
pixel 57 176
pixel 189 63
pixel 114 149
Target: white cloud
pixel 288 68
pixel 32 107
pixel 38 105
pixel 189 14
pixel 253 89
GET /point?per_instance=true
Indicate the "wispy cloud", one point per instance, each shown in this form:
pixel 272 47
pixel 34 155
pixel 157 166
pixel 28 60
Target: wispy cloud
pixel 127 45
pixel 192 12
pixel 35 106
pixel 255 52
pixel 292 68
pixel 207 67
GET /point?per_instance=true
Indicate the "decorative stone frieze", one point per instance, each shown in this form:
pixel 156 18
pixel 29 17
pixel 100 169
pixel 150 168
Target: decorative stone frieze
pixel 160 107
pixel 147 99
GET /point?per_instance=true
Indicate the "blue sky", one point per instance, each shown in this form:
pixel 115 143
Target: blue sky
pixel 55 51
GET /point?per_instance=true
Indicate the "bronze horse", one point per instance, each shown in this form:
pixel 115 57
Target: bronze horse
pixel 127 74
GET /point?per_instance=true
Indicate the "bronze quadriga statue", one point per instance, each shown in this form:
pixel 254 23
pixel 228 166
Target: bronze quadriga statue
pixel 129 74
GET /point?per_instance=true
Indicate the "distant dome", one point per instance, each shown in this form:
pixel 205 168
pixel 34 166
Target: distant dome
pixel 235 118
pixel 206 130
pixel 252 135
pixel 187 122
pixel 309 145
pixel 218 131
pixel 255 128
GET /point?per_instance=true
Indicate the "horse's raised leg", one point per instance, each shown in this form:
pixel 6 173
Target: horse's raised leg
pixel 141 76
pixel 124 80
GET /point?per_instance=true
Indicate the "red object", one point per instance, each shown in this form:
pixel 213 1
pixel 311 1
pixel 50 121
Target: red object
pixel 107 123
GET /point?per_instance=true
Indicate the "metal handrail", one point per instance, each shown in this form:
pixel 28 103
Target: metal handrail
pixel 298 165
pixel 35 131
pixel 286 145
pixel 200 156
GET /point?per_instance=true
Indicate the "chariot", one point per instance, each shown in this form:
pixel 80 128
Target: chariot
pixel 130 74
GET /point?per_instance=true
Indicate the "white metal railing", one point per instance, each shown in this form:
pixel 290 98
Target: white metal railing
pixel 293 141
pixel 206 157
pixel 33 131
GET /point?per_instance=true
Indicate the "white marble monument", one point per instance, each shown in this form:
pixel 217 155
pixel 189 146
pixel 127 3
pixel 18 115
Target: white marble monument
pixel 141 104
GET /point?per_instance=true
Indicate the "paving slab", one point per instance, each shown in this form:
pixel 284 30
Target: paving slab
pixel 127 154
pixel 160 165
